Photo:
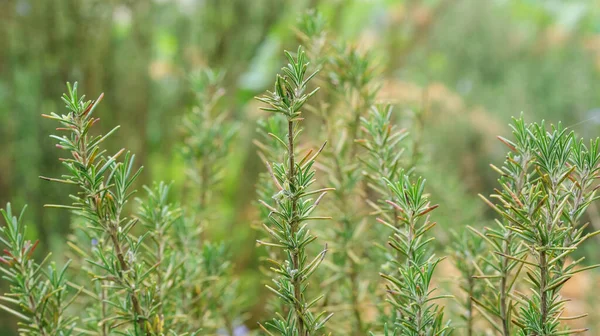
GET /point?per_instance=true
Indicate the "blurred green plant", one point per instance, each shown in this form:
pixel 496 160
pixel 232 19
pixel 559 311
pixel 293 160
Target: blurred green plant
pixel 158 216
pixel 208 135
pixel 349 89
pixel 385 145
pixel 213 296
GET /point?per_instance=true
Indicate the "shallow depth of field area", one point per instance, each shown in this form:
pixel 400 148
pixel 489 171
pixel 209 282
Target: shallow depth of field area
pixel 299 168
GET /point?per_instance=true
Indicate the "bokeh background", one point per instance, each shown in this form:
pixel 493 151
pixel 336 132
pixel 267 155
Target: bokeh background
pixel 475 63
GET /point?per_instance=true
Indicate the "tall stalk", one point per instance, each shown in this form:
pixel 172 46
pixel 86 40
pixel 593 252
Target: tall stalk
pixel 104 185
pixel 349 90
pixel 293 206
pixel 409 289
pixel 211 288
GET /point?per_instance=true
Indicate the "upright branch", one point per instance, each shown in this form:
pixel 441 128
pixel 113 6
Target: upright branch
pixel 350 87
pixel 385 145
pixel 352 74
pixel 40 296
pixel 158 215
pixel 208 137
pixel 104 189
pixel 293 205
pixel 410 292
pixel 501 268
pixel 383 160
pixel 544 212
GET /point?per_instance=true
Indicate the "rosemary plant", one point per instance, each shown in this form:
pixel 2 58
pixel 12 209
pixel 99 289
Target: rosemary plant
pixel 155 272
pixel 384 144
pixel 498 304
pixel 39 292
pixel 544 212
pixel 410 291
pixel 212 296
pixel 104 189
pixel 158 216
pixel 208 135
pixel 292 206
pixel 382 160
pixel 350 91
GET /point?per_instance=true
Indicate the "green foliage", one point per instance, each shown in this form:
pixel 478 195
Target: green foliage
pixel 160 269
pixel 498 305
pixel 292 206
pixel 208 134
pixel 546 186
pixel 384 144
pixel 410 289
pixel 349 90
pixel 104 189
pixel 167 280
pixel 213 300
pixel 382 161
pixel 39 292
pixel 158 216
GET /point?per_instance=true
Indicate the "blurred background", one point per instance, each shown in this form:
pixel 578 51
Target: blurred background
pixel 476 62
